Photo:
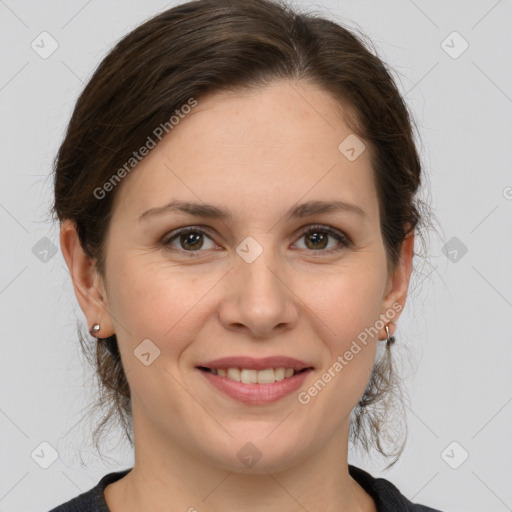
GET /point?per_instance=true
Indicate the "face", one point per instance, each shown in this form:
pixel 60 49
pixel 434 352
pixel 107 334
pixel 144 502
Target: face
pixel 265 281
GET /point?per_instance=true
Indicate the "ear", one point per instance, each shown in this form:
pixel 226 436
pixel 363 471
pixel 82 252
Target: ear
pixel 87 283
pixel 398 285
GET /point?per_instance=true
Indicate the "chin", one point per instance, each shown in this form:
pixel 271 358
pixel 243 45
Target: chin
pixel 250 452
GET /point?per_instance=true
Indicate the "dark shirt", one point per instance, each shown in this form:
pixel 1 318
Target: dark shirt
pixel 386 496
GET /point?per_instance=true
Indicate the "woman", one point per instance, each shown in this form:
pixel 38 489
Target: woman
pixel 236 192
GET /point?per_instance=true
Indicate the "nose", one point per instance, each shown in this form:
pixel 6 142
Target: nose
pixel 258 299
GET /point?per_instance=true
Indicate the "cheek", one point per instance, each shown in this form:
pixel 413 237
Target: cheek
pixel 348 306
pixel 151 299
pixel 346 302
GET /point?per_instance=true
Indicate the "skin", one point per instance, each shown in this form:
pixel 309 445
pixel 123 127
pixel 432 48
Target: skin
pixel 257 153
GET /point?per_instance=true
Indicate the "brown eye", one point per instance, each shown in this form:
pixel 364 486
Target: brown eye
pixel 191 240
pixel 188 240
pixel 317 238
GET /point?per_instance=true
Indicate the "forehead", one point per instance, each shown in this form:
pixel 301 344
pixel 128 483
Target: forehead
pixel 253 149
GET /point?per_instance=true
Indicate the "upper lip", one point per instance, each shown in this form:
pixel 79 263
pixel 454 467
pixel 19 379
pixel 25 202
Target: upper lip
pixel 255 363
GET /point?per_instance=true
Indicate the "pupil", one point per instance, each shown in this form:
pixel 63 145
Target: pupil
pixel 319 237
pixel 191 239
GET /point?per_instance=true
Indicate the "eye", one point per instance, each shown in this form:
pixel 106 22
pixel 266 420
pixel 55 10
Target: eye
pixel 192 239
pixel 317 239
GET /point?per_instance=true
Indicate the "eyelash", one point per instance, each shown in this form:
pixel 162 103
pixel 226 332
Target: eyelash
pixel 338 235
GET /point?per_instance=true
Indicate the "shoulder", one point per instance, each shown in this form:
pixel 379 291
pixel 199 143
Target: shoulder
pixel 386 496
pixel 92 500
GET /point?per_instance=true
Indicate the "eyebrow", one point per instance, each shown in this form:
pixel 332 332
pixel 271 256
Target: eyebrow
pixel 214 212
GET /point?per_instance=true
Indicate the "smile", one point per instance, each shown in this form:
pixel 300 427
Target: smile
pixel 255 387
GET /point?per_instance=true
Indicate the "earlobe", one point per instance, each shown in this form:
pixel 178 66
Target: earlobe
pixel 396 296
pixel 87 283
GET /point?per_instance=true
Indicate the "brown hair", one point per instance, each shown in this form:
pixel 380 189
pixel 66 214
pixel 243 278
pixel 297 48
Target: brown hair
pixel 203 47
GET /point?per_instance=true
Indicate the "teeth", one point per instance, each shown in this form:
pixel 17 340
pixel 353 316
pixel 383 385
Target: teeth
pixel 247 376
pixel 265 376
pixel 233 374
pixel 279 373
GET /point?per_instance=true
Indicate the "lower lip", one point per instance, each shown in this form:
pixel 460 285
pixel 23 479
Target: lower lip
pixel 256 394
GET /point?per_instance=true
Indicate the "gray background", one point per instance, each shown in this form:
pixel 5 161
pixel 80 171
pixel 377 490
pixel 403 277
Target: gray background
pixel 454 336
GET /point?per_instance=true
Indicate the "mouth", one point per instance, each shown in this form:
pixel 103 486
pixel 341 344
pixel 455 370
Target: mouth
pixel 255 381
